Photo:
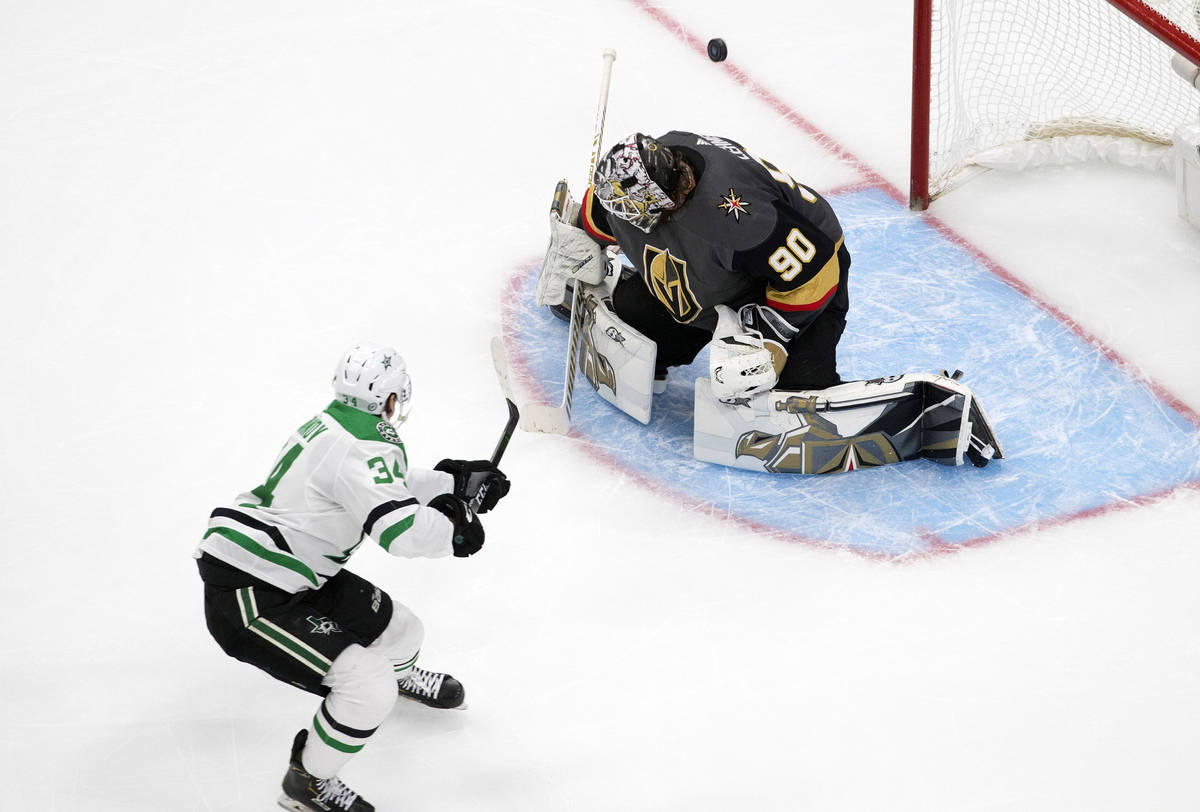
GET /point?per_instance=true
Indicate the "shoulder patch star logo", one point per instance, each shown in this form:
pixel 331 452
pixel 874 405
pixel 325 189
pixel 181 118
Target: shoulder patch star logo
pixel 323 625
pixel 387 432
pixel 733 204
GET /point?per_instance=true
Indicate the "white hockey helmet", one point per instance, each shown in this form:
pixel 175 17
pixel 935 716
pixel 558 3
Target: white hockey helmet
pixel 636 179
pixel 367 374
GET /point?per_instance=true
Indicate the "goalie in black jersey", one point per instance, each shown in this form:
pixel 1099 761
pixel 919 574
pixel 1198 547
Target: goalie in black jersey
pixel 730 250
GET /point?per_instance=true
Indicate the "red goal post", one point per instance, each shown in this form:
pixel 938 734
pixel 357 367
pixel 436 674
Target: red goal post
pixel 1020 83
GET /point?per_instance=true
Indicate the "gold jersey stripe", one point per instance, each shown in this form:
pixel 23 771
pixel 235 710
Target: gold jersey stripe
pixel 589 225
pixel 813 293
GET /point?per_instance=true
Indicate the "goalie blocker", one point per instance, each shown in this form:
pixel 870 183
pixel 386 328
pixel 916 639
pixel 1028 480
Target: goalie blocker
pixel 854 425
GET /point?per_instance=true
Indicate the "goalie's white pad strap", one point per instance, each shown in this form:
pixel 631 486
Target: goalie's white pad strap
pixel 571 256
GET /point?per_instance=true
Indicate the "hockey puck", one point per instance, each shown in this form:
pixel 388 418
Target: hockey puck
pixel 717 50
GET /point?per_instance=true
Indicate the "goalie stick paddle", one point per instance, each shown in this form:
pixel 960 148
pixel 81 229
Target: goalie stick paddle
pixel 500 362
pixel 549 419
pixel 557 419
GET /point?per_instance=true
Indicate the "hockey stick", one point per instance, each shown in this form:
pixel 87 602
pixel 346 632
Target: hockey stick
pixel 501 364
pixel 557 419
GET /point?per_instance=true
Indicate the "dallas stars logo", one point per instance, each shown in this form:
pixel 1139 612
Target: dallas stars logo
pixel 323 625
pixel 387 362
pixel 733 204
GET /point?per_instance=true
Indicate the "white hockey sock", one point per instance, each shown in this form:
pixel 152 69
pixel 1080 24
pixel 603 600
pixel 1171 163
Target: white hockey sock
pixel 402 668
pixel 362 692
pixel 401 641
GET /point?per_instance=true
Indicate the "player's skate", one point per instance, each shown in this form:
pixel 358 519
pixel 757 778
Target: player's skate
pixel 303 792
pixel 431 688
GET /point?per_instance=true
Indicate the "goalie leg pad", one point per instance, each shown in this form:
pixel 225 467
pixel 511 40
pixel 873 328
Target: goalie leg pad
pixel 854 425
pixel 616 359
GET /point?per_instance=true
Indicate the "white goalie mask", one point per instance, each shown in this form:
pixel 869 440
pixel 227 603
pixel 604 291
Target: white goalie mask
pixel 367 374
pixel 634 181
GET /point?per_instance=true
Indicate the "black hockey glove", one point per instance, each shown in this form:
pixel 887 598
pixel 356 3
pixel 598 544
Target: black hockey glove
pixel 468 531
pixel 473 476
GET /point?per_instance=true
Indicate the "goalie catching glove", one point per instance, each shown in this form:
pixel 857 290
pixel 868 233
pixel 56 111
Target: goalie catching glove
pixel 572 256
pixel 748 351
pixel 468 530
pixel 475 477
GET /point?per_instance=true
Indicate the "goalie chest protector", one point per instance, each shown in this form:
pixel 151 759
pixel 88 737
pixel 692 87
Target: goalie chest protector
pixel 688 260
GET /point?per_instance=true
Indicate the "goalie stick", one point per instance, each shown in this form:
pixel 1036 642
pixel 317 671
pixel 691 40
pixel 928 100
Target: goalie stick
pixel 501 364
pixel 540 416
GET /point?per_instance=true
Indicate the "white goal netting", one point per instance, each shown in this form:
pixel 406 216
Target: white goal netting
pixel 1015 83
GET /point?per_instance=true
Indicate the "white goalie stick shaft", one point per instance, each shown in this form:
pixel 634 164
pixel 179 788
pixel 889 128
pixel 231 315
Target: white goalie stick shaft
pixel 557 419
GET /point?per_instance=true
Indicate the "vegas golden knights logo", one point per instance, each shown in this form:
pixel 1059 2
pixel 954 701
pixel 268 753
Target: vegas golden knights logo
pixel 596 368
pixel 667 277
pixel 816 447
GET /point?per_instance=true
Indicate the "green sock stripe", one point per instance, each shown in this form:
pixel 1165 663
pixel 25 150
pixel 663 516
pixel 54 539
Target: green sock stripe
pixel 332 742
pixel 407 664
pixel 310 657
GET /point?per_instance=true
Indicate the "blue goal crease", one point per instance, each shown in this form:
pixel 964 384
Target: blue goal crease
pixel 1079 433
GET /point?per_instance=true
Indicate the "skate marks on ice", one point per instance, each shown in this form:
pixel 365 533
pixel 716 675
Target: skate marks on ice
pixel 1082 435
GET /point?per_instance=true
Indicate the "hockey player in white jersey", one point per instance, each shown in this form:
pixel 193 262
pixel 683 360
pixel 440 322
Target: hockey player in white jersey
pixel 276 594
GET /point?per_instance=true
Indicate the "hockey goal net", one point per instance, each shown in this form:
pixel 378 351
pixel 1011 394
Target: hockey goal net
pixel 1019 83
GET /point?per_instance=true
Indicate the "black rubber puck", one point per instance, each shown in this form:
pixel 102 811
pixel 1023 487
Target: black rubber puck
pixel 717 50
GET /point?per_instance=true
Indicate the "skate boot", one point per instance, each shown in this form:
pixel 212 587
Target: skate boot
pixel 431 688
pixel 304 793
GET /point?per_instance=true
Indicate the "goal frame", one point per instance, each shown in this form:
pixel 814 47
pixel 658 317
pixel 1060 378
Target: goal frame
pixel 919 194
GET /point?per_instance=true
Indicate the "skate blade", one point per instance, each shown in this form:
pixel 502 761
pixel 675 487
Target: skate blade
pixel 463 706
pixel 293 805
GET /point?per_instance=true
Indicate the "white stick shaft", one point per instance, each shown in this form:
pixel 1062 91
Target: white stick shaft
pixel 576 329
pixel 557 419
pixel 610 56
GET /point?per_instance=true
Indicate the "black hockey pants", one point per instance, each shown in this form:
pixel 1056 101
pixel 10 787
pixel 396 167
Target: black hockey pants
pixel 293 637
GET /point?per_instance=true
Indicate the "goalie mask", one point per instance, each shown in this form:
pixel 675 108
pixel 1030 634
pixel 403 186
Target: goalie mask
pixel 636 179
pixel 367 375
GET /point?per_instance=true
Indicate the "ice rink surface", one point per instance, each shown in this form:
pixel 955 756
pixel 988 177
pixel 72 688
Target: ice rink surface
pixel 204 203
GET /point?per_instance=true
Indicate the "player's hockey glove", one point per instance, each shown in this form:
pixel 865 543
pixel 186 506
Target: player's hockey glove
pixel 468 531
pixel 746 353
pixel 572 256
pixel 472 477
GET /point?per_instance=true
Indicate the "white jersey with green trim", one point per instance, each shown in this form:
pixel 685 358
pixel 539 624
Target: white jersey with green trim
pixel 339 478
